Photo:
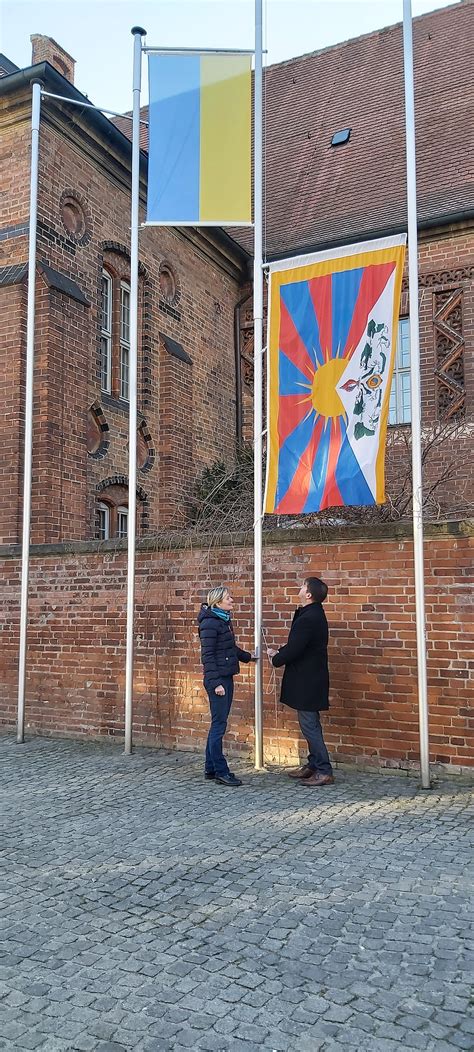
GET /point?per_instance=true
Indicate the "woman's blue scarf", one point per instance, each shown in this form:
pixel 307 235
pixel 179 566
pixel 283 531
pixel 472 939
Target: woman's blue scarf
pixel 224 614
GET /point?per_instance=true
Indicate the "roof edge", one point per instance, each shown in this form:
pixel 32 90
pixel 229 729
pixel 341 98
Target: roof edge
pixel 388 231
pixel 59 85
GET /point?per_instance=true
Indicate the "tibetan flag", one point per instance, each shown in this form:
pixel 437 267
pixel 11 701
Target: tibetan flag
pixel 199 159
pixel 332 329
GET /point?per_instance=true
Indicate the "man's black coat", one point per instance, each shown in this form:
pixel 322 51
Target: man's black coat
pixel 305 682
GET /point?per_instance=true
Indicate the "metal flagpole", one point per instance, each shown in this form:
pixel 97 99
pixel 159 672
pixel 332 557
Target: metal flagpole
pixel 138 33
pixel 415 394
pixel 258 372
pixel 30 361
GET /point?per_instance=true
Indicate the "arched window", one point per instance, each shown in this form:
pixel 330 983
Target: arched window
pixel 112 514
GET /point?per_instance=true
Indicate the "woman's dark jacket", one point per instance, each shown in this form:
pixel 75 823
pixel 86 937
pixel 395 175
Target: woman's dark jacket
pixel 220 654
pixel 305 683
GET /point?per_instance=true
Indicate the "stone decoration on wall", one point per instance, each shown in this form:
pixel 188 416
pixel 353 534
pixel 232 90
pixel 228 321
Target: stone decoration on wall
pixel 75 216
pixel 449 353
pixel 246 345
pixel 145 448
pixel 97 432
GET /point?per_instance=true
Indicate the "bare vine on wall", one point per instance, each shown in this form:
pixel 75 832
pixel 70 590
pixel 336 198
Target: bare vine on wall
pixel 223 497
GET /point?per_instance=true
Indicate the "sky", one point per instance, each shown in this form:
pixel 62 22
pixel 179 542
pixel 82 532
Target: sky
pixel 97 32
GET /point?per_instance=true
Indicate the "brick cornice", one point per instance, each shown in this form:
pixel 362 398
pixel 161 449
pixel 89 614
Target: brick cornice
pixel 177 540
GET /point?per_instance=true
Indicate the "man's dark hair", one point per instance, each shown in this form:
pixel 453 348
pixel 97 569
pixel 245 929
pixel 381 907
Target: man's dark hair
pixel 317 589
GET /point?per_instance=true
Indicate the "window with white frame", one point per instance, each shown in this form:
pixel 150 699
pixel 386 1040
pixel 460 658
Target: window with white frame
pixel 122 522
pixel 103 523
pixel 106 333
pixel 400 395
pixel 124 341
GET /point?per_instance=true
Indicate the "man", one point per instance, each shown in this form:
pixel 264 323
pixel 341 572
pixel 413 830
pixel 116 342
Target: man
pixel 305 685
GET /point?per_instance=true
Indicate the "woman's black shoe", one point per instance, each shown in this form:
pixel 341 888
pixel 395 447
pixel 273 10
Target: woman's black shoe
pixel 228 779
pixel 209 776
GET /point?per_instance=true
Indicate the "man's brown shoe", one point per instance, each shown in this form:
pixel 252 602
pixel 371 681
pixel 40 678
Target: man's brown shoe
pixel 319 779
pixel 302 772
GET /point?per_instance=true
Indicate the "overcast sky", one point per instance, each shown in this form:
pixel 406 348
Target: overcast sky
pixel 97 32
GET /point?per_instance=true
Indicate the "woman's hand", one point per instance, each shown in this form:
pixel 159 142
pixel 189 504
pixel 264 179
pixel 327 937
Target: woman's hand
pixel 220 691
pixel 254 656
pixel 271 653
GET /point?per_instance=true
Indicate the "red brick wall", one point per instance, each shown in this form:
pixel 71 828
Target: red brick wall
pixel 77 630
pixel 12 311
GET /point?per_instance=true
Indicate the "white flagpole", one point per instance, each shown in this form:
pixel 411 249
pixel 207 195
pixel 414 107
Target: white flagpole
pixel 28 444
pixel 138 33
pixel 415 395
pixel 258 373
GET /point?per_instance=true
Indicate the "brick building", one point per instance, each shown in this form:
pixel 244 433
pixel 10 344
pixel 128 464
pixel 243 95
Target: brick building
pixel 196 375
pixel 189 285
pixel 195 344
pixel 334 133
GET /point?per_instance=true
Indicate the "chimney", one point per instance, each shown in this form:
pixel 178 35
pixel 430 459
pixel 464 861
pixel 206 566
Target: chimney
pixel 45 49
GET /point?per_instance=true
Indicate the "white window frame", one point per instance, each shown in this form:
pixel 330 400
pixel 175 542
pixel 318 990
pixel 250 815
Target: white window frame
pixel 398 412
pixel 106 334
pixel 122 513
pixel 104 515
pixel 124 372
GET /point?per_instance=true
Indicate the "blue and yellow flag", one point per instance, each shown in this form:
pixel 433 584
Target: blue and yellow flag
pixel 199 159
pixel 332 330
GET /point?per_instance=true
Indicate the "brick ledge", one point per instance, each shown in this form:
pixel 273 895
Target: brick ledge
pixel 176 540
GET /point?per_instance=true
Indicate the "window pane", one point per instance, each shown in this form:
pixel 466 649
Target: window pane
pixel 124 372
pixel 122 522
pixel 124 314
pixel 103 522
pixel 392 406
pixel 105 363
pixel 399 405
pixel 404 343
pixel 405 407
pixel 106 304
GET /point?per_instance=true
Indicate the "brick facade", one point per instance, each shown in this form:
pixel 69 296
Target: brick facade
pixel 76 653
pixel 188 288
pixel 190 285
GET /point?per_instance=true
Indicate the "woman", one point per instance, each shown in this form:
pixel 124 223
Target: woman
pixel 220 657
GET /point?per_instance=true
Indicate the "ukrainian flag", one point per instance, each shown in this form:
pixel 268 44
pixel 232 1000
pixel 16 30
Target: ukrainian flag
pixel 199 160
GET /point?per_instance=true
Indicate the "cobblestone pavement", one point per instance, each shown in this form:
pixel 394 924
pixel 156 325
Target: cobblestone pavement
pixel 145 909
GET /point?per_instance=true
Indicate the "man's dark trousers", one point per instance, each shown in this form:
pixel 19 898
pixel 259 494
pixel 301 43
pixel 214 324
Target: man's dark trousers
pixel 220 708
pixel 311 729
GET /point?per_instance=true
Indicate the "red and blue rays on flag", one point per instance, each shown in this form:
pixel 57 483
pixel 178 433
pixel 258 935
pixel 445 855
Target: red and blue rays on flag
pixel 314 462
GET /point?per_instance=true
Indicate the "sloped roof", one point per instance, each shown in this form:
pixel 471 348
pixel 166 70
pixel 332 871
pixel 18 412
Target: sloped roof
pixel 6 66
pixel 319 195
pixel 316 193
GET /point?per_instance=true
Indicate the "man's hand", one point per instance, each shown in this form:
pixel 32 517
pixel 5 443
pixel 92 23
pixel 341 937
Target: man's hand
pixel 220 691
pixel 254 656
pixel 271 653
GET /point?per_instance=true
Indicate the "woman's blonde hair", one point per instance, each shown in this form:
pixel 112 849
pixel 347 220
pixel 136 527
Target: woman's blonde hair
pixel 216 595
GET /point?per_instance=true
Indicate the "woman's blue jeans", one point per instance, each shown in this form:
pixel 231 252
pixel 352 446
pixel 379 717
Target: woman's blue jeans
pixel 220 707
